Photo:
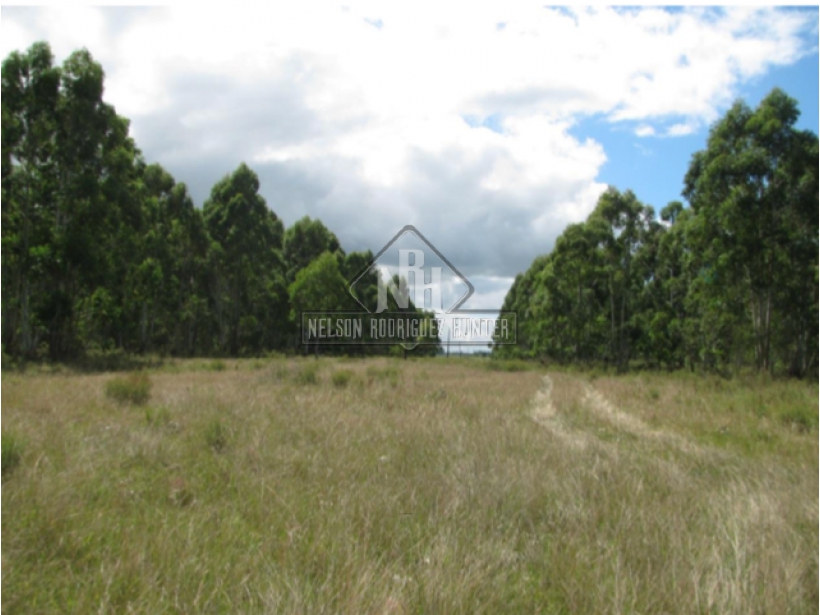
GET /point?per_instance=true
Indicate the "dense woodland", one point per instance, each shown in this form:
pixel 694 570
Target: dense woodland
pixel 728 282
pixel 102 251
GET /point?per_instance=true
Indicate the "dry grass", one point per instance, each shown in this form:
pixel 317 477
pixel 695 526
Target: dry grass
pixel 415 487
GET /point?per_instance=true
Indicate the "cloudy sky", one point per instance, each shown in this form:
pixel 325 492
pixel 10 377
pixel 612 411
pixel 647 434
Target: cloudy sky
pixel 488 127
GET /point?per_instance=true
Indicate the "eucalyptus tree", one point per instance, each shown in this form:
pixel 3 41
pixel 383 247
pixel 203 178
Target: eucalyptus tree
pixel 306 241
pixel 69 182
pixel 248 292
pixel 754 195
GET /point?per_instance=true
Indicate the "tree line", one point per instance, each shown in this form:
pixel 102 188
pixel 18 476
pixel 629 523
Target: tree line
pixel 102 251
pixel 727 282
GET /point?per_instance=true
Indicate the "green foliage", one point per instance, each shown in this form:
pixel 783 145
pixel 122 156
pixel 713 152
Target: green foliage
pixel 157 417
pixel 753 238
pixel 217 365
pixel 104 253
pixel 801 418
pixel 216 435
pixel 11 449
pixel 248 300
pixel 340 378
pixel 305 242
pixel 727 282
pixel 388 374
pixel 134 388
pixel 508 365
pixel 306 374
pixel 319 287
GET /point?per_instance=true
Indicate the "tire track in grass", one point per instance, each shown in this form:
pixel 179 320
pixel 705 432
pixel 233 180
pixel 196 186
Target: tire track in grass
pixel 604 410
pixel 545 414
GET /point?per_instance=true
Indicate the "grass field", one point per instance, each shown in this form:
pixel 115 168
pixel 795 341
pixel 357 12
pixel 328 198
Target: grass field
pixel 381 486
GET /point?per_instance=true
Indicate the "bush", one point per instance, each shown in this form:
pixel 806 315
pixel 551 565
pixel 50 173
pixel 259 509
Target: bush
pixel 134 388
pixel 802 419
pixel 382 373
pixel 508 365
pixel 280 372
pixel 341 378
pixel 216 366
pixel 216 435
pixel 389 374
pixel 11 453
pixel 157 417
pixel 306 375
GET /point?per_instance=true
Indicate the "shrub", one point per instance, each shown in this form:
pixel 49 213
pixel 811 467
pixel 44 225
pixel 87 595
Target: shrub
pixel 216 366
pixel 802 419
pixel 280 372
pixel 389 374
pixel 306 375
pixel 341 377
pixel 382 373
pixel 157 417
pixel 508 365
pixel 134 388
pixel 216 435
pixel 11 453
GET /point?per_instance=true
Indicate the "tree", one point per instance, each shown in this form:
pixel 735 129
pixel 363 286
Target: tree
pixel 319 287
pixel 304 242
pixel 753 191
pixel 248 289
pixel 69 178
pixel 166 295
pixel 30 94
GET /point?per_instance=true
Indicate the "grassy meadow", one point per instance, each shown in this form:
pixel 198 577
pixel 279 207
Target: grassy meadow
pixel 395 487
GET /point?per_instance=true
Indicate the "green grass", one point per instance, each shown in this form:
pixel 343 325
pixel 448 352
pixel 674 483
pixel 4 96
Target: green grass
pixel 216 435
pixel 389 374
pixel 801 417
pixel 341 378
pixel 157 417
pixel 217 365
pixel 11 449
pixel 419 487
pixel 509 365
pixel 306 374
pixel 134 388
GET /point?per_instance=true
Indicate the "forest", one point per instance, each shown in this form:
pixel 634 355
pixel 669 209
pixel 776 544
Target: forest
pixel 726 283
pixel 102 251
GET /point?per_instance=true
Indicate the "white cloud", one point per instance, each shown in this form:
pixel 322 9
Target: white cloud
pixel 364 126
pixel 680 130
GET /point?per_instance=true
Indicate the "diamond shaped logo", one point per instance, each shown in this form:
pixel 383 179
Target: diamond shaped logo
pixel 411 274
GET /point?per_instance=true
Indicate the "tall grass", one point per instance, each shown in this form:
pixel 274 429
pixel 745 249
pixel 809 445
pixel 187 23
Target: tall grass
pixel 134 388
pixel 11 451
pixel 455 490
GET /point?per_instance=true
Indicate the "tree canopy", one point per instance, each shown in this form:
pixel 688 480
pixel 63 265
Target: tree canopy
pixel 103 251
pixel 730 280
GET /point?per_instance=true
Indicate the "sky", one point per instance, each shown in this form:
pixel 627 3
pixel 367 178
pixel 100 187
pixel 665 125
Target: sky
pixel 489 127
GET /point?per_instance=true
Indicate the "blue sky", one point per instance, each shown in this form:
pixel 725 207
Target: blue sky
pixel 371 116
pixel 654 167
